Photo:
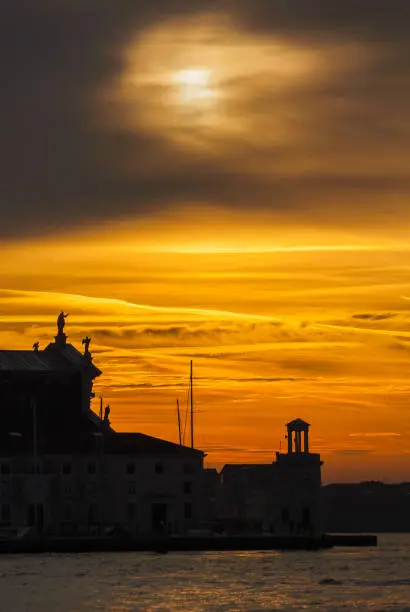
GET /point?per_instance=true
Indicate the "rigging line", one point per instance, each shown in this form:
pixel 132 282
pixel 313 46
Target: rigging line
pixel 186 416
pixel 179 424
pixel 191 404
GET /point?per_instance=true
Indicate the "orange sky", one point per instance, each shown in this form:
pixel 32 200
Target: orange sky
pixel 274 333
pixel 223 185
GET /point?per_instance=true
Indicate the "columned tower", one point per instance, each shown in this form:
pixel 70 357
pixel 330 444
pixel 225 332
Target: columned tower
pixel 298 474
pixel 298 437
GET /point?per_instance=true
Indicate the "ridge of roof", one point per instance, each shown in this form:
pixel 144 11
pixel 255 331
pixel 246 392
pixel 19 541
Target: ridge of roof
pixel 298 423
pixel 149 442
pixel 53 358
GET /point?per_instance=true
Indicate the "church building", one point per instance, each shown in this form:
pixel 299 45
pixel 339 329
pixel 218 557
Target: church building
pixel 65 470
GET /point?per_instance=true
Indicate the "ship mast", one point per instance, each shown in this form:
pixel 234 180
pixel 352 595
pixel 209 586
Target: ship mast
pixel 179 424
pixel 191 397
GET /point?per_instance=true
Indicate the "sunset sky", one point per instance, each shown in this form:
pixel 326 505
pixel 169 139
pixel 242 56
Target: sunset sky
pixel 224 181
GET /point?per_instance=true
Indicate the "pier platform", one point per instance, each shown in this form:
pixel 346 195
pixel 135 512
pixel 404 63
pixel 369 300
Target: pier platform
pixel 165 544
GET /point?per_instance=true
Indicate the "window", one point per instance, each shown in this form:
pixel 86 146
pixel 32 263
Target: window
pixel 92 489
pixel 188 510
pixel 132 488
pixel 130 468
pixel 5 467
pixel 285 515
pixel 91 468
pixel 31 515
pixel 66 469
pixel 187 487
pixel 4 489
pixel 188 468
pixel 306 516
pixel 159 468
pixel 92 513
pixel 131 511
pixel 35 468
pixel 67 512
pixel 5 513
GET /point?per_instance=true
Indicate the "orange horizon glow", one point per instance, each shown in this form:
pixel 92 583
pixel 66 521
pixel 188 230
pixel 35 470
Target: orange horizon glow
pixel 274 334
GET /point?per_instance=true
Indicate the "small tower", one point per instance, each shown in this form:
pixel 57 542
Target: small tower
pixel 298 481
pixel 298 437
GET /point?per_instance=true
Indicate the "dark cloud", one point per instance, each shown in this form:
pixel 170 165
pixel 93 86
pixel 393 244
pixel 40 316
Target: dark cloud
pixel 258 379
pixel 374 317
pixel 313 365
pixel 200 380
pixel 378 20
pixel 147 385
pixel 203 334
pixel 54 57
pixel 58 169
pixel 402 346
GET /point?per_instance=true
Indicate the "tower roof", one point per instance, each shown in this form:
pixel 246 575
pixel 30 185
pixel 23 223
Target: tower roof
pixel 297 424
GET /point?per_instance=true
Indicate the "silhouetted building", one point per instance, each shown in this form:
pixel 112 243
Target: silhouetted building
pixel 367 506
pixel 211 483
pixel 282 497
pixel 247 496
pixel 63 469
pixel 298 484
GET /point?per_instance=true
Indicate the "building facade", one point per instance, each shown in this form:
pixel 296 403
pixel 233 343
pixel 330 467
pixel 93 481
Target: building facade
pixel 282 497
pixel 65 470
pixel 298 485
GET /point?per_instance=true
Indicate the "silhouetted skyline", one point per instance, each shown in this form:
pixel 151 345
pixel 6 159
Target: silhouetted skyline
pixel 225 182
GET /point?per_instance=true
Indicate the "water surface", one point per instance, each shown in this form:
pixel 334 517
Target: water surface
pixel 376 579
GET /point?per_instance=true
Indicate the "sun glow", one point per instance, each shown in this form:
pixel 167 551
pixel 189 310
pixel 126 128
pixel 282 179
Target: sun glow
pixel 194 82
pixel 194 85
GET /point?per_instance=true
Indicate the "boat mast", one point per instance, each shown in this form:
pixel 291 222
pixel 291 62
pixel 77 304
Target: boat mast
pixel 179 424
pixel 191 397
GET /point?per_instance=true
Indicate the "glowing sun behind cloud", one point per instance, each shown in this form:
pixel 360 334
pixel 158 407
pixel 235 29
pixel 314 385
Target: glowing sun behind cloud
pixel 194 86
pixel 194 82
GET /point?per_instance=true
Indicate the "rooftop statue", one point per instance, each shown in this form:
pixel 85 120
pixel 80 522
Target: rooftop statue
pixel 61 322
pixel 86 341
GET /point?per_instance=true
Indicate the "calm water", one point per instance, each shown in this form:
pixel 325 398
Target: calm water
pixel 339 579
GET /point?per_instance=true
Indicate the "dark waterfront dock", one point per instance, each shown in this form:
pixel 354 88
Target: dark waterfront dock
pixel 187 543
pixel 351 539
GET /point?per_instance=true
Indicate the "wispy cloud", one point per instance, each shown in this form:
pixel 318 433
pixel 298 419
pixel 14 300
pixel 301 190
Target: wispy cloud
pixel 374 316
pixel 375 434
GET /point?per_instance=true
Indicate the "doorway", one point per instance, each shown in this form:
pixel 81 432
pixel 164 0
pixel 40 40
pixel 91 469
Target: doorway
pixel 159 517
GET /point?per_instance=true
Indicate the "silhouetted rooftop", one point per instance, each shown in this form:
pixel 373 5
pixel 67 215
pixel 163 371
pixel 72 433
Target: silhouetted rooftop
pixel 138 443
pixel 34 361
pixel 88 439
pixel 62 426
pixel 54 358
pixel 248 467
pixel 297 423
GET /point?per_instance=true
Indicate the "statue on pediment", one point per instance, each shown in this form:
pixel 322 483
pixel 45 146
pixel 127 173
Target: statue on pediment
pixel 86 341
pixel 61 322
